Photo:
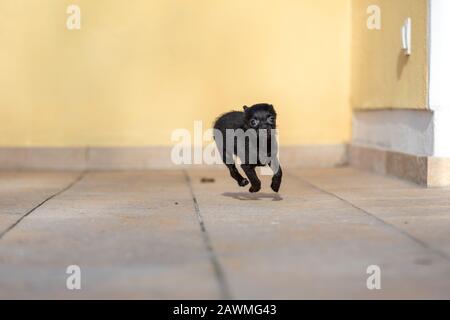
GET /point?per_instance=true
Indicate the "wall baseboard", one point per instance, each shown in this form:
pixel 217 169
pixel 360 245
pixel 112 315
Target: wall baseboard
pixel 424 170
pixel 152 157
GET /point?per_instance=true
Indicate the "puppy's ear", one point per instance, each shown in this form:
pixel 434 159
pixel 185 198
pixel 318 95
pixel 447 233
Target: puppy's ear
pixel 245 108
pixel 272 109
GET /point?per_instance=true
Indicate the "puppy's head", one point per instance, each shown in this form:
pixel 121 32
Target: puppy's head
pixel 260 117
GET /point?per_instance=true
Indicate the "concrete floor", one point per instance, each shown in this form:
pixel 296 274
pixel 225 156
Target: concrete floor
pixel 166 235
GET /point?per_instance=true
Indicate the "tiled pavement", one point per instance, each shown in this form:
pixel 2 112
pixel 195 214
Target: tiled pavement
pixel 167 235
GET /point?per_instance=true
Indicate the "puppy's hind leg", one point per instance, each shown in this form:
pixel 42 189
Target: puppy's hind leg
pixel 242 182
pixel 229 162
pixel 251 174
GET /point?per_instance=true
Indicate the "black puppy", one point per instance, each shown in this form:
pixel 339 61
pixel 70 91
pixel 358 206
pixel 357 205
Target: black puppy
pixel 250 135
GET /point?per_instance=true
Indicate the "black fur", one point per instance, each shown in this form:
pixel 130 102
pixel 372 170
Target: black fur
pixel 258 120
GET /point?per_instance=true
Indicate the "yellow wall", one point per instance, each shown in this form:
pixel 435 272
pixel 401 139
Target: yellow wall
pixel 139 69
pixel 383 77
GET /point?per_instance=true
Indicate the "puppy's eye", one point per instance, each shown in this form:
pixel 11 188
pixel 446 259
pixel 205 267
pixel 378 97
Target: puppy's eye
pixel 254 122
pixel 270 120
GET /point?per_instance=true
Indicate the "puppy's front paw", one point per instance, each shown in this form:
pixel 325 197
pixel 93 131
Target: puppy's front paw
pixel 255 188
pixel 276 183
pixel 243 182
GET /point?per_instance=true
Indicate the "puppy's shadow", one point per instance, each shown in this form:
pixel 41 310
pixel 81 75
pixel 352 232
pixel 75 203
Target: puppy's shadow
pixel 252 196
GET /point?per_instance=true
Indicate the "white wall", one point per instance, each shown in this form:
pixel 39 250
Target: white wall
pixel 439 91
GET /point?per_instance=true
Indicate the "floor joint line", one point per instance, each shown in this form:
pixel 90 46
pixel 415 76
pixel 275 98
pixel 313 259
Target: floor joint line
pixel 218 270
pixel 393 227
pixel 70 185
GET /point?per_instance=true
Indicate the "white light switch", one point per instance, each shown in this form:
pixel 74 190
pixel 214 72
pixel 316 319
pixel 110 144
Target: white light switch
pixel 406 37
